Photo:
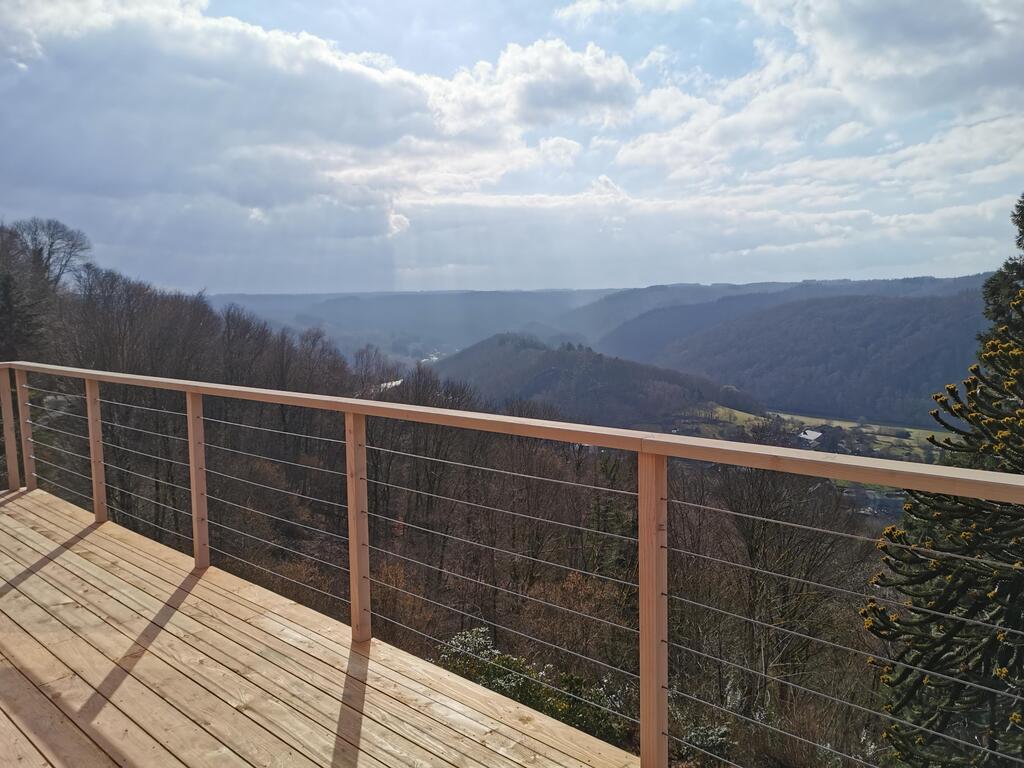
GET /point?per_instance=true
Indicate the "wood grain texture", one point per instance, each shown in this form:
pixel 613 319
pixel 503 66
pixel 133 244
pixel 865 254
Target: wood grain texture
pixel 99 482
pixel 203 668
pixel 358 526
pixel 994 486
pixel 652 512
pixel 24 416
pixel 197 479
pixel 10 439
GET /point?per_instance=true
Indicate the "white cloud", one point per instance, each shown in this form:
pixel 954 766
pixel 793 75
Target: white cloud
pixel 847 132
pixel 201 151
pixel 669 105
pixel 583 11
pixel 547 82
pixel 397 224
pixel 560 151
pixel 899 55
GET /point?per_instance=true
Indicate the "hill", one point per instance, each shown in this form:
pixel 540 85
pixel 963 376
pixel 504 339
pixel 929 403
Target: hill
pixel 601 315
pixel 646 337
pixel 411 326
pixel 852 357
pixel 584 385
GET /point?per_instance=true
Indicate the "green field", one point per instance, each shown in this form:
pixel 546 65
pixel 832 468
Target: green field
pixel 882 436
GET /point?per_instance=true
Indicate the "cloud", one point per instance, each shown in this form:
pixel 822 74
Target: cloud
pixel 547 82
pixel 583 11
pixel 397 224
pixel 203 151
pixel 560 151
pixel 899 56
pixel 847 132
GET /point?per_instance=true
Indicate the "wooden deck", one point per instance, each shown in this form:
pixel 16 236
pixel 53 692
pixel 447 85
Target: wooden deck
pixel 113 651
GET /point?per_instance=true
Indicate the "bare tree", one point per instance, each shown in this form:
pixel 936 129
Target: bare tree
pixel 51 248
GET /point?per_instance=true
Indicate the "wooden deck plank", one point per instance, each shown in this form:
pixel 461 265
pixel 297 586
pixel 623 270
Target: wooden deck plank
pixel 18 750
pixel 181 674
pixel 317 692
pixel 58 739
pixel 129 607
pixel 521 722
pixel 113 731
pixel 510 720
pixel 302 662
pixel 116 665
pixel 402 701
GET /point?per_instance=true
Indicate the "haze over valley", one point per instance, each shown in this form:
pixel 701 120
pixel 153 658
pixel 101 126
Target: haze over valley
pixel 867 350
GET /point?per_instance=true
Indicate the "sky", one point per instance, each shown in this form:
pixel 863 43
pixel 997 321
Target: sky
pixel 287 146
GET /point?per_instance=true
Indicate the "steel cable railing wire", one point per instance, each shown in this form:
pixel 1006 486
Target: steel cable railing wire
pixel 151 433
pixel 279 575
pixel 509 512
pixel 145 455
pixel 501 471
pixel 134 495
pixel 275 431
pixel 58 411
pixel 770 727
pixel 147 522
pixel 61 468
pixel 276 517
pixel 509 552
pixel 847 592
pixel 703 751
pixel 36 424
pixel 277 546
pixel 277 490
pixel 152 478
pixel 261 457
pixel 144 408
pixel 523 675
pixel 837 700
pixel 524 596
pixel 54 392
pixel 503 628
pixel 842 534
pixel 45 479
pixel 869 655
pixel 63 451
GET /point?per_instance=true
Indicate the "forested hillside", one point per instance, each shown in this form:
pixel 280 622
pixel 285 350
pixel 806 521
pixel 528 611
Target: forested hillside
pixel 411 326
pixel 539 545
pixel 646 337
pixel 855 357
pixel 599 317
pixel 584 385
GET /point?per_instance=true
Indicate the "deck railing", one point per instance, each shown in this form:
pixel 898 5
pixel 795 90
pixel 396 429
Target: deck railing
pixel 651 493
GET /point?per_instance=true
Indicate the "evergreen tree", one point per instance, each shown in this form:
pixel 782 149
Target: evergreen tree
pixel 959 565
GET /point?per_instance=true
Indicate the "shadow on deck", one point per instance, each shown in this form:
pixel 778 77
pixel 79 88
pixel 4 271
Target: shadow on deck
pixel 113 650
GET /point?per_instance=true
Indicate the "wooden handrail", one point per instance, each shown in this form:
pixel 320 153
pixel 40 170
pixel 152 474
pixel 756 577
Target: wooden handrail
pixel 652 449
pixel 993 486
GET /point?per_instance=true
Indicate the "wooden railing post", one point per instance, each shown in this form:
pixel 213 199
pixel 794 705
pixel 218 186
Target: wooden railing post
pixel 652 508
pixel 10 441
pixel 358 526
pixel 99 480
pixel 27 462
pixel 197 478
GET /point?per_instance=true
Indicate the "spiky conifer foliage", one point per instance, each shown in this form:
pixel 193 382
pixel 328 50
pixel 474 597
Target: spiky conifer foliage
pixel 957 564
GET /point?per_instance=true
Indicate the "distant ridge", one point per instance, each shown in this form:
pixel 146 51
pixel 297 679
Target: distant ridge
pixel 876 357
pixel 645 337
pixel 584 385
